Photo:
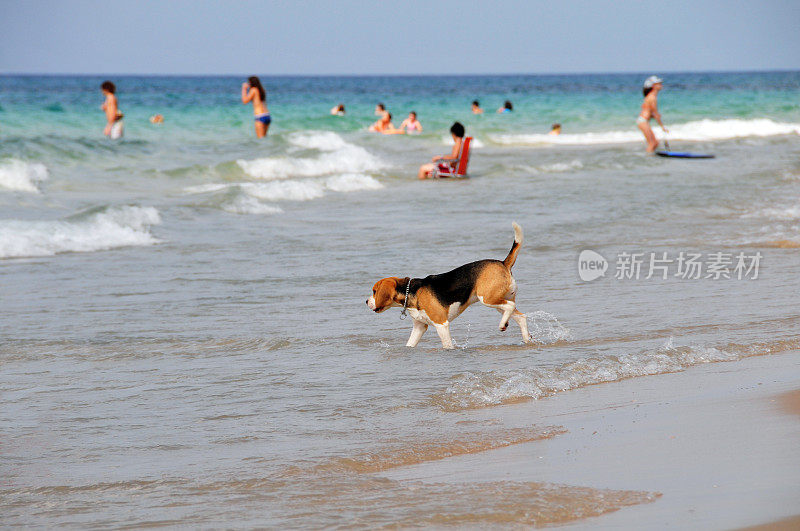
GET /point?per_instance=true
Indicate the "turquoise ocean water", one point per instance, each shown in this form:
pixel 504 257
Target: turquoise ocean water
pixel 183 334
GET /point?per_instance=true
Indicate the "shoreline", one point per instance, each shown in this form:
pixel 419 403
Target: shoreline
pixel 721 450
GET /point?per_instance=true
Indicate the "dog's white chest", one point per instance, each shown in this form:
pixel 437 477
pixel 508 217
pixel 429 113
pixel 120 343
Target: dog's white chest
pixel 420 315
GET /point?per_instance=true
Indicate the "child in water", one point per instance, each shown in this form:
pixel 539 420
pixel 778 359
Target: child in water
pixel 114 126
pixel 445 162
pixel 476 107
pixel 338 110
pixel 507 107
pixel 555 130
pixel 411 125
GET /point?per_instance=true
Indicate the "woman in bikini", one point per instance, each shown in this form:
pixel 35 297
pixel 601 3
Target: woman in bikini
pixel 114 126
pixel 652 86
pixel 253 91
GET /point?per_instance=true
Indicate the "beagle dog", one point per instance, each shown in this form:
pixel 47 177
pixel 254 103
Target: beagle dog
pixel 438 299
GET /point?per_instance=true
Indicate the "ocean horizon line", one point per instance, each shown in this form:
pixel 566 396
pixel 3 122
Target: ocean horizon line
pixel 396 75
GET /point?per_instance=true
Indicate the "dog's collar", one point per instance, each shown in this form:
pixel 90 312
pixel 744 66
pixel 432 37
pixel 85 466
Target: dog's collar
pixel 405 301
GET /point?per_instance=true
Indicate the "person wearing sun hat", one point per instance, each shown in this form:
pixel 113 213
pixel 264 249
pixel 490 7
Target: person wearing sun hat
pixel 652 85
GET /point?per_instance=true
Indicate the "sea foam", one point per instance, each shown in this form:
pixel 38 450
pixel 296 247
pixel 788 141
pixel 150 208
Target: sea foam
pixel 701 130
pixel 337 156
pixel 250 194
pixel 105 229
pixel 307 189
pixel 244 204
pixel 482 389
pixel 21 176
pixel 788 213
pixel 475 143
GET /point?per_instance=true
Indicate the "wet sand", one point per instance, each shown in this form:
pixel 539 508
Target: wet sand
pixel 787 524
pixel 790 401
pixel 719 442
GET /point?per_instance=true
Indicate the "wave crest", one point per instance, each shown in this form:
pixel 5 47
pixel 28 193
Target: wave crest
pixel 697 131
pixel 22 176
pixel 249 196
pixel 337 156
pixel 99 230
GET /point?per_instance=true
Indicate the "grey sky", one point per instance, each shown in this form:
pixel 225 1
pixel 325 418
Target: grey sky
pixel 404 37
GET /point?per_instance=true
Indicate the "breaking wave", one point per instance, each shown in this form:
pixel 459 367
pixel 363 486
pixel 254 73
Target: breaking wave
pixel 698 131
pixel 249 197
pixel 90 231
pixel 448 141
pixel 21 176
pixel 337 156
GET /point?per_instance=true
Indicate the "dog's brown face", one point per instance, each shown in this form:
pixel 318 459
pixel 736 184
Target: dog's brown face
pixel 385 294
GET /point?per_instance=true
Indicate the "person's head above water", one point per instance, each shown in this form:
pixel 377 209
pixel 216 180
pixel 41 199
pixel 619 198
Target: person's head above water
pixel 555 127
pixel 412 115
pixel 457 130
pixel 652 82
pixel 508 105
pixel 475 103
pixel 380 107
pixel 256 84
pixel 109 87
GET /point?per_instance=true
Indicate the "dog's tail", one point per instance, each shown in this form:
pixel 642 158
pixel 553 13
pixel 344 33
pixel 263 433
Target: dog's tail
pixel 512 254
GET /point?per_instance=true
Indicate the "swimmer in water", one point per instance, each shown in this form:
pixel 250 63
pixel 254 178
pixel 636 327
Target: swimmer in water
pixel 476 108
pixel 384 125
pixel 338 110
pixel 555 130
pixel 380 109
pixel 651 88
pixel 157 119
pixel 507 107
pixel 445 162
pixel 411 125
pixel 253 91
pixel 114 126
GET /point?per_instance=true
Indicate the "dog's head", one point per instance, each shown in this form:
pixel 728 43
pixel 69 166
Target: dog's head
pixel 387 292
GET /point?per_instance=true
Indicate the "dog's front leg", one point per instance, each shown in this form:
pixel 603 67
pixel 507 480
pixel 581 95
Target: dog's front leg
pixel 444 334
pixel 416 333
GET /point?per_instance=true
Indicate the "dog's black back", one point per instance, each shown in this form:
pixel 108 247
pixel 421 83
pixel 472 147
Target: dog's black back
pixel 453 286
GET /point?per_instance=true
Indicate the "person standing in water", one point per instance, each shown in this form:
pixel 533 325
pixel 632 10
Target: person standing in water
pixel 651 88
pixel 114 126
pixel 476 107
pixel 253 91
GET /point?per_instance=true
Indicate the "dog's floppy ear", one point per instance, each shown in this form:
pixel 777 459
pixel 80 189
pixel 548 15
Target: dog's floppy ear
pixel 385 291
